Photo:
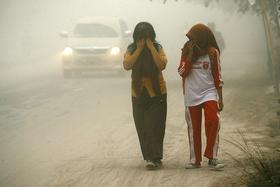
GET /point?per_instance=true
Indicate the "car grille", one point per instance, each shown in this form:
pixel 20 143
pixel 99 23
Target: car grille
pixel 91 51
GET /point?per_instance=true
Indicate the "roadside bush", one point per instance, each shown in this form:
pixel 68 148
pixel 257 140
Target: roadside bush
pixel 258 168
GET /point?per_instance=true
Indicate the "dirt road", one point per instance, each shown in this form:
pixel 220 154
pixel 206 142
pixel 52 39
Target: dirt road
pixel 80 132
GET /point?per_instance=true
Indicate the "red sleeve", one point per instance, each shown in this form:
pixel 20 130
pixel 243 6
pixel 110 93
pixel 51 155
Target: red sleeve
pixel 216 68
pixel 186 63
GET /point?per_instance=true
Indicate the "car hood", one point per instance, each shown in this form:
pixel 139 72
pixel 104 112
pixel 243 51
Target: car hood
pixel 93 42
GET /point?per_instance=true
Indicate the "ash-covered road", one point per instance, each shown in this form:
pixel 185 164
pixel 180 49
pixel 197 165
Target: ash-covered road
pixel 80 132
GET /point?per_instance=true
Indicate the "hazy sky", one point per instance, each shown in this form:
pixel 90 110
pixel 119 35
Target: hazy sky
pixel 32 26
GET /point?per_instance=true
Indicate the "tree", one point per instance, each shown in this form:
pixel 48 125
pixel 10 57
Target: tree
pixel 272 7
pixel 270 12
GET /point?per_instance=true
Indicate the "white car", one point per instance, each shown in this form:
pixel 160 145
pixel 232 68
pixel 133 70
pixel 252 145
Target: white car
pixel 95 44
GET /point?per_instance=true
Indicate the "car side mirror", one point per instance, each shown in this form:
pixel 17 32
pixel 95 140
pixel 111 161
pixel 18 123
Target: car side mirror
pixel 127 33
pixel 63 34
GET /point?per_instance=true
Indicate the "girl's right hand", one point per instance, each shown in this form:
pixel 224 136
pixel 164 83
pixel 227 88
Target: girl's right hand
pixel 140 44
pixel 181 70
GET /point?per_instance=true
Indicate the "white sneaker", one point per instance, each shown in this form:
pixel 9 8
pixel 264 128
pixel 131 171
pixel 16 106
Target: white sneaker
pixel 192 166
pixel 215 165
pixel 158 163
pixel 151 165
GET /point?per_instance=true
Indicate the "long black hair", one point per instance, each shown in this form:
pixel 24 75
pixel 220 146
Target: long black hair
pixel 145 65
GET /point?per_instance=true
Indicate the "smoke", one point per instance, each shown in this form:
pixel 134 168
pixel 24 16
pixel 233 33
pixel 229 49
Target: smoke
pixel 30 28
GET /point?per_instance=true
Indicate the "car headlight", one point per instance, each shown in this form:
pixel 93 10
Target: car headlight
pixel 67 51
pixel 115 51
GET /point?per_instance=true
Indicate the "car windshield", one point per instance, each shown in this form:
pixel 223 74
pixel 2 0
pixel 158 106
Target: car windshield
pixel 94 31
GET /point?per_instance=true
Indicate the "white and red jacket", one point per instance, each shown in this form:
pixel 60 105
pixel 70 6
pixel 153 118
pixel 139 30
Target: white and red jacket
pixel 201 78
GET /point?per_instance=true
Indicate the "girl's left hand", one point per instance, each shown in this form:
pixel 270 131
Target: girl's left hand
pixel 220 105
pixel 150 44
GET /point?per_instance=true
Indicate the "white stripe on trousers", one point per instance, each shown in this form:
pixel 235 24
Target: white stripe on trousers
pixel 216 145
pixel 190 132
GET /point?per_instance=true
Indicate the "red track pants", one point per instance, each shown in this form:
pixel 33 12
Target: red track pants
pixel 193 116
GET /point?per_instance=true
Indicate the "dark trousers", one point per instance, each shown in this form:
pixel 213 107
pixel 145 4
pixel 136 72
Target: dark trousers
pixel 150 117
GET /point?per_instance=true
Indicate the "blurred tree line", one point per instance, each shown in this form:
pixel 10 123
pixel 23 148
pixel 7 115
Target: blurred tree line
pixel 271 7
pixel 269 12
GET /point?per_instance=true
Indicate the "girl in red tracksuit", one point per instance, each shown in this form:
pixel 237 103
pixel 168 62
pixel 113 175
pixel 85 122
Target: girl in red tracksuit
pixel 202 86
